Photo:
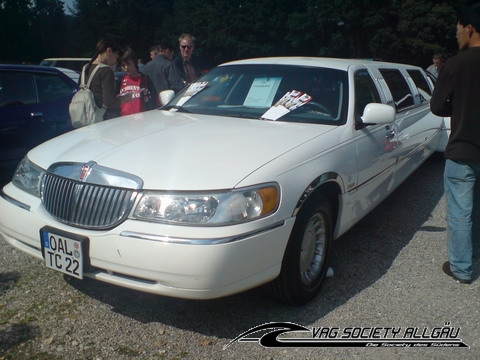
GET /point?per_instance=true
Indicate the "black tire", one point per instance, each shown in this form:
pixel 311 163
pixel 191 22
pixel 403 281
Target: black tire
pixel 305 262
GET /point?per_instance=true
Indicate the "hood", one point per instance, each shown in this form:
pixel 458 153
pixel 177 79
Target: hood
pixel 178 151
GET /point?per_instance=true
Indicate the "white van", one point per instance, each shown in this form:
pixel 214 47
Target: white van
pixel 68 63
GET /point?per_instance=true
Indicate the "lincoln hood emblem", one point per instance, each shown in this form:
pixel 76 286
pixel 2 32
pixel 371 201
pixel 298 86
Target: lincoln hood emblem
pixel 85 170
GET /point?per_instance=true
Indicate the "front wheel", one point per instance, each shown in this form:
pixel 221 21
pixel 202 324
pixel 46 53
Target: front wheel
pixel 305 261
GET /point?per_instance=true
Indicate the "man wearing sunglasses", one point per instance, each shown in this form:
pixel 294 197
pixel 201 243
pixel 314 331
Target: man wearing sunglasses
pixel 183 65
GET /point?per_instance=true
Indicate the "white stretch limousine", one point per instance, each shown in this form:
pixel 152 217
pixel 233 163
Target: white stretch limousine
pixel 243 178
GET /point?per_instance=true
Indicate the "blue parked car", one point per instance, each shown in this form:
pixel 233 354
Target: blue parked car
pixel 33 108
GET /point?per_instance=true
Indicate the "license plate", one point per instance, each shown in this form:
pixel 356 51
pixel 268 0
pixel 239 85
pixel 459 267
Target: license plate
pixel 63 252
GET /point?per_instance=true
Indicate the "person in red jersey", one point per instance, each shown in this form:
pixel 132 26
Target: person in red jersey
pixel 136 89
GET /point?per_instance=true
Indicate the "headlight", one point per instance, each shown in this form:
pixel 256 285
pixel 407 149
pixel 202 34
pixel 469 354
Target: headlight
pixel 28 177
pixel 211 208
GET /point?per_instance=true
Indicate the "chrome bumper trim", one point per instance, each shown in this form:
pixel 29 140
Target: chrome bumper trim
pixel 175 240
pixel 14 202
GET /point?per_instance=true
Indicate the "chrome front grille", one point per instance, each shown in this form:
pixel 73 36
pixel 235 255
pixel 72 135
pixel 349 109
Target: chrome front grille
pixel 86 205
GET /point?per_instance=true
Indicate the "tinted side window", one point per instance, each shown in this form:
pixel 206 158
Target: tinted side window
pixel 365 92
pixel 16 88
pixel 51 87
pixel 398 86
pixel 421 84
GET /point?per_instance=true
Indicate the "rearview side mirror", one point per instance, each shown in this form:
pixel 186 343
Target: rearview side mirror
pixel 166 96
pixel 376 114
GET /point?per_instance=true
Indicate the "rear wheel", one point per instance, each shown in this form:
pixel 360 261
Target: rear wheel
pixel 305 261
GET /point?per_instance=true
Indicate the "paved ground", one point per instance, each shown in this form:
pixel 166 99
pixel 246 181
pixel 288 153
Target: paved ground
pixel 387 273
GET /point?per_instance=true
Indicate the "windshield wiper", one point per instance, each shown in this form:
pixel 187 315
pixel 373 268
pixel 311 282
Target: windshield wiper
pixel 175 108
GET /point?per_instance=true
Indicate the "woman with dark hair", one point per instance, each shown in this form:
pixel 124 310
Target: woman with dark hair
pixel 103 83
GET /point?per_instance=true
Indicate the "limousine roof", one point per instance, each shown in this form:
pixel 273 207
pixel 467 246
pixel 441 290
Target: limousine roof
pixel 335 63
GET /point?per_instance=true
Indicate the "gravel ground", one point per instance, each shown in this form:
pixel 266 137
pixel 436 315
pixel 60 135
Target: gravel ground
pixel 387 274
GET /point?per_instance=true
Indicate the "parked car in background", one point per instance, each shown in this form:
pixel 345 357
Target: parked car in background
pixel 72 74
pixel 68 63
pixel 76 64
pixel 75 76
pixel 33 108
pixel 244 178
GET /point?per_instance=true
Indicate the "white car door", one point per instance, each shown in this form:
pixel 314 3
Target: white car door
pixel 376 147
pixel 416 126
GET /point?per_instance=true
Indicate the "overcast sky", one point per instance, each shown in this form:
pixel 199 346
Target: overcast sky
pixel 68 3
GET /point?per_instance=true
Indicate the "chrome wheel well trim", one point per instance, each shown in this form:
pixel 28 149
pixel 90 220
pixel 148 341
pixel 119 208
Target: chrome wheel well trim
pixel 314 185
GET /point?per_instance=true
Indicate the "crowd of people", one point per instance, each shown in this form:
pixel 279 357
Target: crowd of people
pixel 141 85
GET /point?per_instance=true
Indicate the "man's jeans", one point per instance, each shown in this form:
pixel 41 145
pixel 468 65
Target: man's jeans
pixel 462 191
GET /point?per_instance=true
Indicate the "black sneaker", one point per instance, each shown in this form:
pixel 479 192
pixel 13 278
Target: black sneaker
pixel 446 269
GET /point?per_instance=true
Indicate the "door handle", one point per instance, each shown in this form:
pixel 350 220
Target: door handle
pixel 36 114
pixel 390 135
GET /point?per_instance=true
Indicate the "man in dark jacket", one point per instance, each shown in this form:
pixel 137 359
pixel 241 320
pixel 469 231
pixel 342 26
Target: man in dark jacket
pixel 457 94
pixel 159 68
pixel 184 69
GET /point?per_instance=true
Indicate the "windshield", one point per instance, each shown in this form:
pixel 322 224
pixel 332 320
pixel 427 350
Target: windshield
pixel 271 92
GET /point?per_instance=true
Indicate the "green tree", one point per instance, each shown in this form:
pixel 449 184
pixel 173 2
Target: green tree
pixel 129 22
pixel 50 29
pixel 235 29
pixel 342 28
pixel 16 32
pixel 140 24
pixel 394 30
pixel 426 27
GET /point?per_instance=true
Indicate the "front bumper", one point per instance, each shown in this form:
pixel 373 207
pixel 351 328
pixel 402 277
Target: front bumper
pixel 185 262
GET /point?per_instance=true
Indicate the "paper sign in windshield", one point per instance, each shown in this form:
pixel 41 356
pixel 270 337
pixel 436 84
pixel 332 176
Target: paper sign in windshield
pixel 262 92
pixel 289 102
pixel 192 90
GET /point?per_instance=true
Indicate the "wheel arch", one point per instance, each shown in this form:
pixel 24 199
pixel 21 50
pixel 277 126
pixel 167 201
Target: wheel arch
pixel 306 257
pixel 329 185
